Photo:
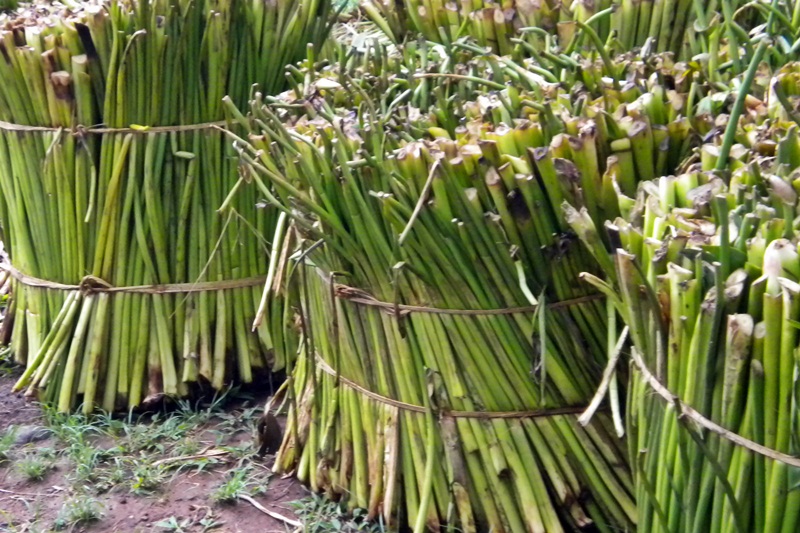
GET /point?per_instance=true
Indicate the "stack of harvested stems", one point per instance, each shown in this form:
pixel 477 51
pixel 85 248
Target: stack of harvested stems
pixel 114 174
pixel 684 27
pixel 457 209
pixel 706 274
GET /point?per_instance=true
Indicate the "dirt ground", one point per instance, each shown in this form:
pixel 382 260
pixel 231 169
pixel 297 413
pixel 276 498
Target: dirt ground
pixel 181 473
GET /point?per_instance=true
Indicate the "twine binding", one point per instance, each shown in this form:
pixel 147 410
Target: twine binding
pixel 101 130
pixel 93 284
pixel 360 297
pixel 357 296
pixel 536 413
pixel 686 411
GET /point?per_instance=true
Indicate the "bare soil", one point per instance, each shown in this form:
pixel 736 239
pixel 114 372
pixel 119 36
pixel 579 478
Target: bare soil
pixel 183 501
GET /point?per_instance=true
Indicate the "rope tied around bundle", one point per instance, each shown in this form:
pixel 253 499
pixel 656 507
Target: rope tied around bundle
pixel 486 415
pixel 685 411
pixel 93 285
pixel 363 298
pixel 81 130
pixel 360 297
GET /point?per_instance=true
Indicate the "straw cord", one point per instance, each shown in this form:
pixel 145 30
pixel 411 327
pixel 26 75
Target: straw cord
pixel 93 284
pixel 537 413
pixel 684 410
pixel 360 297
pixel 99 130
pixel 357 296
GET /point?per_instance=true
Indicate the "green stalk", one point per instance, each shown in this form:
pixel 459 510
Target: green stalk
pixel 738 107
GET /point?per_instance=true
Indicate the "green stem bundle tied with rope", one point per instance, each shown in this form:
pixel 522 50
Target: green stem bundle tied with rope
pixel 137 277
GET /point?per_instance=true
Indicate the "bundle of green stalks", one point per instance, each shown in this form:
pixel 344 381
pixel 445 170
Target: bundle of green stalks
pixel 440 81
pixel 501 24
pixel 639 129
pixel 115 173
pixel 489 23
pixel 690 30
pixel 705 272
pixel 464 216
pixel 151 63
pixel 355 448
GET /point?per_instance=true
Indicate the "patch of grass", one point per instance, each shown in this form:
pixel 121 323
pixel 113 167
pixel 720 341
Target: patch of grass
pixel 116 474
pixel 146 477
pixel 237 422
pixel 240 451
pixel 241 480
pixel 321 515
pixel 187 446
pixel 35 466
pixel 113 474
pixel 174 524
pixel 86 460
pixel 78 511
pixel 230 490
pixel 197 523
pixel 7 364
pixel 107 453
pixel 208 522
pixel 71 429
pixel 161 432
pixel 7 443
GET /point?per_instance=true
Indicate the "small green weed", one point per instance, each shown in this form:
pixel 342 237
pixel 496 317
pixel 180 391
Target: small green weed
pixel 208 522
pixel 35 466
pixel 7 443
pixel 187 446
pixel 230 490
pixel 205 523
pixel 147 478
pixel 77 511
pixel 174 524
pixel 71 429
pixel 6 362
pixel 137 454
pixel 232 423
pixel 116 474
pixel 242 480
pixel 320 515
pixel 135 442
pixel 86 459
